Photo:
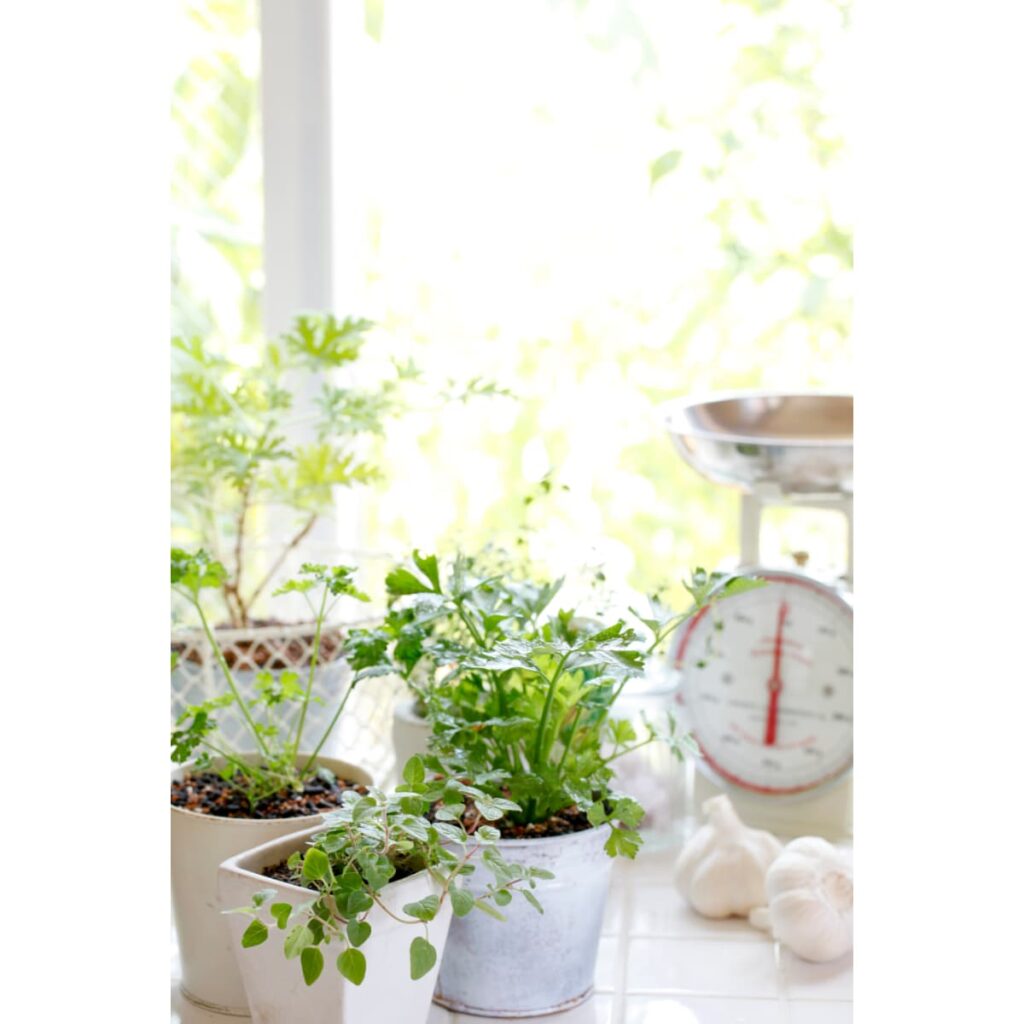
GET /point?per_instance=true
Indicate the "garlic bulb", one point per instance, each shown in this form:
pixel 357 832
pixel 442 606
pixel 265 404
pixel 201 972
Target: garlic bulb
pixel 810 900
pixel 721 869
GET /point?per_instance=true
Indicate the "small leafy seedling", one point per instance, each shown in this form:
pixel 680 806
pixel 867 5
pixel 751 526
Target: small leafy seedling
pixel 196 737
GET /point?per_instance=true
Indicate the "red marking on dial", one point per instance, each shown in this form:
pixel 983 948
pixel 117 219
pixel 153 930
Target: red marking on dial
pixel 807 741
pixel 759 652
pixel 775 682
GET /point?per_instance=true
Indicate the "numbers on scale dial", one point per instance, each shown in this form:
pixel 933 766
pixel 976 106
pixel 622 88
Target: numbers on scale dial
pixel 767 681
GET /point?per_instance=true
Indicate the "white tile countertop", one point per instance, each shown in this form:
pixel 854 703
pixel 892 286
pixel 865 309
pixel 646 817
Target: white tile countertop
pixel 662 963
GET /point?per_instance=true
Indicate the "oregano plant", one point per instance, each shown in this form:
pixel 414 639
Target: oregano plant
pixel 277 765
pixel 371 841
pixel 521 695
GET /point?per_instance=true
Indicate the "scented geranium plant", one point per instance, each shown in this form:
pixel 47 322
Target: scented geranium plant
pixel 283 432
pixel 281 697
pixel 522 696
pixel 375 839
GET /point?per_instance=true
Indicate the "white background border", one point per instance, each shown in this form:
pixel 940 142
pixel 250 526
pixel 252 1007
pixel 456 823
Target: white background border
pixel 940 617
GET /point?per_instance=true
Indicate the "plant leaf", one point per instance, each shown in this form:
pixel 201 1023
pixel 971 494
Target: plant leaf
pixel 352 965
pixel 297 940
pixel 312 961
pixel 462 902
pixel 414 773
pixel 401 581
pixel 422 957
pixel 424 909
pixel 358 932
pixel 665 164
pixel 255 934
pixel 315 865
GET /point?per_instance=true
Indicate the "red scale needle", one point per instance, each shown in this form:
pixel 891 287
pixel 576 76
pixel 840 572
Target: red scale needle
pixel 775 682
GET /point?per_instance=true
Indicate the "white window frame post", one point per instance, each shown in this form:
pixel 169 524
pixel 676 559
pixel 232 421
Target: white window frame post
pixel 298 259
pixel 296 117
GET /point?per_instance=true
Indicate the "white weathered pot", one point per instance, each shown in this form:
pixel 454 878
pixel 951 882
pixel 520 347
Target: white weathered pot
pixel 532 964
pixel 199 843
pixel 275 986
pixel 409 733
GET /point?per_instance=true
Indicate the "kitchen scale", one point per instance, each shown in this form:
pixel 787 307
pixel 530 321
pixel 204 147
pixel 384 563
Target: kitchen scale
pixel 765 679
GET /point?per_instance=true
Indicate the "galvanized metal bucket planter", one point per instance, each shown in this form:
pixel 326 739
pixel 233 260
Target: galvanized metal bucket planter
pixel 199 843
pixel 276 991
pixel 532 964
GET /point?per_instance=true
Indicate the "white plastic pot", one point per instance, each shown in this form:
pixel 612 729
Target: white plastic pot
pixel 532 964
pixel 275 986
pixel 409 733
pixel 199 843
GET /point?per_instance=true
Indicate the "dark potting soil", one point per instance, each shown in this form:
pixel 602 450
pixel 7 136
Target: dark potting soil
pixel 282 873
pixel 208 793
pixel 572 819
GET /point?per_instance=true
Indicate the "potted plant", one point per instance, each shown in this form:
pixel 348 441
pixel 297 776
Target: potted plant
pixel 411 726
pixel 345 922
pixel 224 800
pixel 262 448
pixel 522 697
pixel 262 445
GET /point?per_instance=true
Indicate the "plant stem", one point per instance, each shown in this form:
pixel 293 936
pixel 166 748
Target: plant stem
pixel 568 742
pixel 626 750
pixel 328 730
pixel 279 561
pixel 236 614
pixel 239 544
pixel 230 678
pixel 545 714
pixel 314 657
pixel 261 775
pixel 469 624
pixel 401 920
pixel 246 769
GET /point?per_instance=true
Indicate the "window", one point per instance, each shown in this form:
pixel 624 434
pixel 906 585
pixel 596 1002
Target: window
pixel 216 177
pixel 600 204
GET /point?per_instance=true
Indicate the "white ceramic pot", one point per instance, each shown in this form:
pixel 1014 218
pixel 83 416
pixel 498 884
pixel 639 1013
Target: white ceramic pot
pixel 199 843
pixel 409 733
pixel 532 964
pixel 275 986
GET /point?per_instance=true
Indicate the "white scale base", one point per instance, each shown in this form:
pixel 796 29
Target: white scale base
pixel 828 814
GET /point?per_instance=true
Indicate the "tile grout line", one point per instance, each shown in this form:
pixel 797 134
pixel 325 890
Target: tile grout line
pixel 718 995
pixel 780 977
pixel 622 949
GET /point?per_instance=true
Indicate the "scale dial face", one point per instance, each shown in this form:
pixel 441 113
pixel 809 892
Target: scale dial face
pixel 766 678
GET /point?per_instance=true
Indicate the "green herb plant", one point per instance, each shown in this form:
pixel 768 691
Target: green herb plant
pixel 523 696
pixel 281 434
pixel 196 737
pixel 375 839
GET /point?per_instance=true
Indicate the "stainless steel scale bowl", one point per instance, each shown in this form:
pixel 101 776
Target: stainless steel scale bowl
pixel 778 449
pixel 772 445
